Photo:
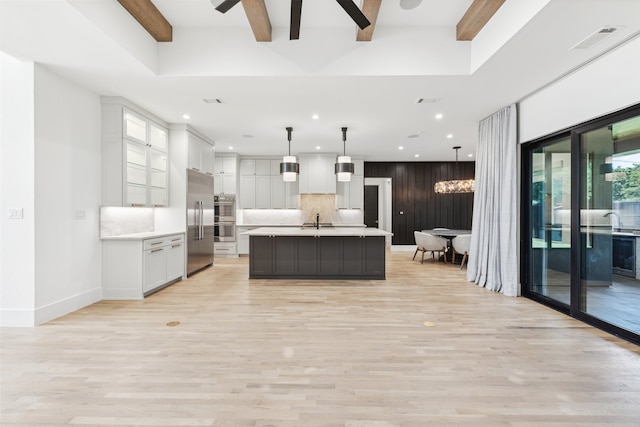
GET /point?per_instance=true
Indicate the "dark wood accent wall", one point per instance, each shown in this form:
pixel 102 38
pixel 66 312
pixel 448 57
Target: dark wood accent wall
pixel 412 193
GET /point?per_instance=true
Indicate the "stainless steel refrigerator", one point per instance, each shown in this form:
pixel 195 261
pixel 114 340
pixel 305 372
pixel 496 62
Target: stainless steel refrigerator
pixel 200 219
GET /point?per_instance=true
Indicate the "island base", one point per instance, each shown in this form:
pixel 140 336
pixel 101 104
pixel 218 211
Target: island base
pixel 317 257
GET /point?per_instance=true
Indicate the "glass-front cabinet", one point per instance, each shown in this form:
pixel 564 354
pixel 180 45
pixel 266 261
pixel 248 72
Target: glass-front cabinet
pixel 135 157
pixel 581 222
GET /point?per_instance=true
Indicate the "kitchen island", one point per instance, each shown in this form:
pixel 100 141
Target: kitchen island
pixel 329 253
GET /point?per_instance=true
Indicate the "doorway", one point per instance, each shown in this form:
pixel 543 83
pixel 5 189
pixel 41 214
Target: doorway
pixel 371 206
pixel 382 186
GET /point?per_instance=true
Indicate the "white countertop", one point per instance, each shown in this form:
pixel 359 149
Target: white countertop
pixel 298 225
pixel 142 236
pixel 326 231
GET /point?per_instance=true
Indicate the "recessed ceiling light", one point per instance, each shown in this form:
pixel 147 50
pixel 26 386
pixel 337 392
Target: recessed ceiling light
pixel 439 116
pixel 416 155
pixel 469 155
pixel 230 148
pixel 315 117
pixel 186 116
pixel 318 147
pixel 450 136
pixel 401 148
pixel 246 135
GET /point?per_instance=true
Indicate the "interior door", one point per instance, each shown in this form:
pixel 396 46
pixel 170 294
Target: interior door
pixel 371 206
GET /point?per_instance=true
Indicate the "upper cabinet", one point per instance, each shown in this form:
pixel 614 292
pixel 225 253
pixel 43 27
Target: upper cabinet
pixel 201 154
pixel 350 194
pixel 225 174
pixel 317 174
pixel 135 156
pixel 261 186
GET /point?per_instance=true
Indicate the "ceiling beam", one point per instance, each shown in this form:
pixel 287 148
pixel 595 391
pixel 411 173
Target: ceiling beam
pixel 370 8
pixel 475 18
pixel 148 15
pixel 258 19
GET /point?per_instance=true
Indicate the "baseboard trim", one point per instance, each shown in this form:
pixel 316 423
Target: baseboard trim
pixel 16 318
pixel 403 248
pixel 67 305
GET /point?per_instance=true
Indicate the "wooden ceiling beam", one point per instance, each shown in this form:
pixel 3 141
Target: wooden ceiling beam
pixel 476 17
pixel 148 15
pixel 370 8
pixel 258 17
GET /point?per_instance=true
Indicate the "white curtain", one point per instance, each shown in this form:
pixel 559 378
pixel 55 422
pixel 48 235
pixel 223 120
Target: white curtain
pixel 493 251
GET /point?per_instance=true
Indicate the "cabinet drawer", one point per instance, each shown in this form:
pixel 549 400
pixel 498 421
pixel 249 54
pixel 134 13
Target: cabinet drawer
pixel 159 242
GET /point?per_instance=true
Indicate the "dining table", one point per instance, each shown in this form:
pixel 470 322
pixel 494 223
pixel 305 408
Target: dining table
pixel 448 234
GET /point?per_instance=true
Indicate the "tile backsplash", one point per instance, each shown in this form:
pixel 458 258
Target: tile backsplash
pixel 116 221
pixel 310 204
pixel 323 204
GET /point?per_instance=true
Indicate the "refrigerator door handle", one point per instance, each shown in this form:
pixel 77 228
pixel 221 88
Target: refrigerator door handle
pixel 197 219
pixel 201 220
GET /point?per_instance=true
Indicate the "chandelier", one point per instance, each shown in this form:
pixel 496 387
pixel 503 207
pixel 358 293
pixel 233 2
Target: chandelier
pixel 455 185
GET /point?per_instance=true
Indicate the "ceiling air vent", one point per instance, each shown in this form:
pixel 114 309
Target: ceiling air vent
pixel 213 100
pixel 426 100
pixel 596 37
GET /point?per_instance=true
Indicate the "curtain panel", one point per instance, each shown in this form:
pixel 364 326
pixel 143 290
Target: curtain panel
pixel 493 251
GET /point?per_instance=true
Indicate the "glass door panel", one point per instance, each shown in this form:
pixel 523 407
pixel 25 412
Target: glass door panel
pixel 610 224
pixel 550 213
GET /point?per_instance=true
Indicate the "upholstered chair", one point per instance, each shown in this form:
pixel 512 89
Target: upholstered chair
pixel 429 243
pixel 461 245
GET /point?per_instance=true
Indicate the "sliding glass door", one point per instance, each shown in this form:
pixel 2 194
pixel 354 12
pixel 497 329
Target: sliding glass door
pixel 550 213
pixel 581 222
pixel 610 223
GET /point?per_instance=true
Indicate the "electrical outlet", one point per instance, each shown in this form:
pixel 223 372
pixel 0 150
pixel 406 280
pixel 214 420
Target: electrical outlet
pixel 16 213
pixel 81 214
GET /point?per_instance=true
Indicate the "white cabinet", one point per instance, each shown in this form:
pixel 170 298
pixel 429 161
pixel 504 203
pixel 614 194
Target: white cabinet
pixel 225 174
pixel 350 194
pixel 261 186
pixel 201 154
pixel 134 268
pixel 227 249
pixel 243 240
pixel 317 174
pixel 135 157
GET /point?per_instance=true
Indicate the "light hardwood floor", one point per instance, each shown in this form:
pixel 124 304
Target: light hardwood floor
pixel 423 348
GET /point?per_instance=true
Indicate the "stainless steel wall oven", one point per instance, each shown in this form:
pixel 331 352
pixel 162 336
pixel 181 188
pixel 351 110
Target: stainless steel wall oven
pixel 224 217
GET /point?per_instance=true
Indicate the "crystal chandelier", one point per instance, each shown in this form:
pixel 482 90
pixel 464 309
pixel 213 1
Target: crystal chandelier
pixel 455 185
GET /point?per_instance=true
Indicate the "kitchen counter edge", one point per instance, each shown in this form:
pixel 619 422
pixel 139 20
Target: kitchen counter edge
pixel 142 236
pixel 327 231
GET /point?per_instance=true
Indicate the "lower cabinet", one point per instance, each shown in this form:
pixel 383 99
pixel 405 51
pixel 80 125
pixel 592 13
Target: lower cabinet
pixel 313 257
pixel 225 249
pixel 135 268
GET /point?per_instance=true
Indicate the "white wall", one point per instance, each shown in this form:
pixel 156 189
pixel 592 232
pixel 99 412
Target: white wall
pixel 50 168
pixel 608 84
pixel 67 196
pixel 17 241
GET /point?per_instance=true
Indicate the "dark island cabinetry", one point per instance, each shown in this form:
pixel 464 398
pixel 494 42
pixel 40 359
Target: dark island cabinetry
pixel 317 257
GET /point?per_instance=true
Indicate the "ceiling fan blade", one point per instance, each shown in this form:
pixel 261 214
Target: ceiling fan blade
pixel 356 14
pixel 226 5
pixel 296 14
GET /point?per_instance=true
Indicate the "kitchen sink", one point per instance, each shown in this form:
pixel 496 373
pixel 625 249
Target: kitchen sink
pixel 314 225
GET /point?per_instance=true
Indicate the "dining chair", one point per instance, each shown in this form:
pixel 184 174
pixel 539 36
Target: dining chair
pixel 429 243
pixel 461 245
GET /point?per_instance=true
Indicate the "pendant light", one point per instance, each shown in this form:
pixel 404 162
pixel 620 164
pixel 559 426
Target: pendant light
pixel 456 185
pixel 344 168
pixel 289 168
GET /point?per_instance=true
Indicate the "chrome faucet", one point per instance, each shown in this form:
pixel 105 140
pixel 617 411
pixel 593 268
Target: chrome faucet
pixel 318 221
pixel 617 216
